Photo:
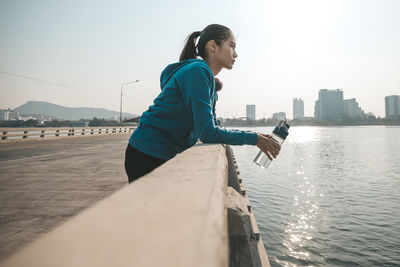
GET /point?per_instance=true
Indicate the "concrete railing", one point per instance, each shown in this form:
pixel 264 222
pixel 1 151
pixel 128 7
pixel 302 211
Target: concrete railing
pixel 181 214
pixel 23 133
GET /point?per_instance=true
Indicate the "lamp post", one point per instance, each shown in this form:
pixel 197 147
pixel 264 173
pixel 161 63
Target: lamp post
pixel 120 110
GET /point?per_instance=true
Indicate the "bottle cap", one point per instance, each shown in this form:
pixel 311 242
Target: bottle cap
pixel 282 129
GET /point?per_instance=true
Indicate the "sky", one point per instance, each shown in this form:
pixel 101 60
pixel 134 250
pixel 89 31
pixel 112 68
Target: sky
pixel 286 49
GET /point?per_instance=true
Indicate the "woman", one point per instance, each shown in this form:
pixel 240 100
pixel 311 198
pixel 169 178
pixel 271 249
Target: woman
pixel 184 110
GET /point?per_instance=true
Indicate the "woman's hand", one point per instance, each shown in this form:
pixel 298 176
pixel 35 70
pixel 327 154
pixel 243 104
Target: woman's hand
pixel 268 145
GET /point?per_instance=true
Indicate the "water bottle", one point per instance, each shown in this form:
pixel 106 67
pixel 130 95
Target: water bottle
pixel 279 134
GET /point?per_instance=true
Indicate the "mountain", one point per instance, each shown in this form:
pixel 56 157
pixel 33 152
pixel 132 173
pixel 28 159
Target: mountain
pixel 67 113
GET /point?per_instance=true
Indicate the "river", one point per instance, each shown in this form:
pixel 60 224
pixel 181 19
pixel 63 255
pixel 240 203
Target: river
pixel 331 198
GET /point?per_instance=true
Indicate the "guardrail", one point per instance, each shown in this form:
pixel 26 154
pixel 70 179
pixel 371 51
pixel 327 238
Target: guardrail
pixel 184 213
pixel 24 133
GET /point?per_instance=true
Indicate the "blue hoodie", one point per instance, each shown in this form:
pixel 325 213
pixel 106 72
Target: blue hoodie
pixel 183 113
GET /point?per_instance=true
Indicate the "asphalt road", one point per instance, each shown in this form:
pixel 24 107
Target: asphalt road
pixel 45 182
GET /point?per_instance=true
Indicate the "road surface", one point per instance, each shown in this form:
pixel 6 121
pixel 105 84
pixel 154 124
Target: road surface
pixel 45 182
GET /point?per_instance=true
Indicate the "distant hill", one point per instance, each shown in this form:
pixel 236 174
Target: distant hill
pixel 66 113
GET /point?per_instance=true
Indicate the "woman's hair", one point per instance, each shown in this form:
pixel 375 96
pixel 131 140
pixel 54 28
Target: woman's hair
pixel 215 32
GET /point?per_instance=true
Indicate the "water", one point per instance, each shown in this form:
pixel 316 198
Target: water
pixel 331 198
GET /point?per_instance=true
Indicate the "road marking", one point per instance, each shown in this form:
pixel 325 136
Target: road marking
pixel 38 156
pixel 46 155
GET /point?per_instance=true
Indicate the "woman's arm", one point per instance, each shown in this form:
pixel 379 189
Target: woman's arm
pixel 196 85
pixel 197 90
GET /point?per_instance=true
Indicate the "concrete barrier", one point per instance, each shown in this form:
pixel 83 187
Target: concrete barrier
pixel 175 216
pixel 246 248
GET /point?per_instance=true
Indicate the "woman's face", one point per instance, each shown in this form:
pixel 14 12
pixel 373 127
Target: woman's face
pixel 225 53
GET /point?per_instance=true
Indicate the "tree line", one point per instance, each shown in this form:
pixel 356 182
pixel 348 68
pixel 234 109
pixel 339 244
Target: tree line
pixel 235 122
pixel 345 121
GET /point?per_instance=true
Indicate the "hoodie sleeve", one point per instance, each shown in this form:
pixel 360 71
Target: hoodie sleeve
pixel 197 87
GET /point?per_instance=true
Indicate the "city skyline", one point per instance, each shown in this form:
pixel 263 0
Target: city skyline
pixel 86 50
pixel 330 106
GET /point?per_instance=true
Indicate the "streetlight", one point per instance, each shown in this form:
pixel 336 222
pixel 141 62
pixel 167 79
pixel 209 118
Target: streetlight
pixel 120 110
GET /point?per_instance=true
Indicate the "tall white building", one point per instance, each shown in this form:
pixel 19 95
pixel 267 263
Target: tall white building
pixel 251 112
pixel 392 106
pixel 298 108
pixel 8 114
pixel 329 105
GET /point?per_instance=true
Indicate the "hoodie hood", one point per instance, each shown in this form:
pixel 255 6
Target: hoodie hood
pixel 171 69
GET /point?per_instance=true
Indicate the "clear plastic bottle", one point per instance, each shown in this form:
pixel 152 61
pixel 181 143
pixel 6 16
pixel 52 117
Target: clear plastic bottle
pixel 279 134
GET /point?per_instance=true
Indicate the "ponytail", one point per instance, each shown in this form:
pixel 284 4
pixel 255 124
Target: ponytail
pixel 215 32
pixel 189 51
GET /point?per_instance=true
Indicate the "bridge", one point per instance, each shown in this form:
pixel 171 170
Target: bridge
pixel 65 201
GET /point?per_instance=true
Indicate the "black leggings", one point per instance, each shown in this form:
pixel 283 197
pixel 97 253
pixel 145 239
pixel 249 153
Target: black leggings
pixel 138 163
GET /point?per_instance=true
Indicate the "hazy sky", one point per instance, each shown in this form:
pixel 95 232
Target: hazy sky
pixel 286 49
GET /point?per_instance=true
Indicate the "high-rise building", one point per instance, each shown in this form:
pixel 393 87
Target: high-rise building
pixel 316 110
pixel 352 110
pixel 329 105
pixel 3 115
pixel 8 114
pixel 251 112
pixel 298 108
pixel 279 116
pixel 392 106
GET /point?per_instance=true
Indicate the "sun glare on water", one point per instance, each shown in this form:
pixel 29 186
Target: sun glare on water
pixel 302 134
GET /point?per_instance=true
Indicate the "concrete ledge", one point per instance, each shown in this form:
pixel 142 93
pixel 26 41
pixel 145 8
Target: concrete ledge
pixel 174 216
